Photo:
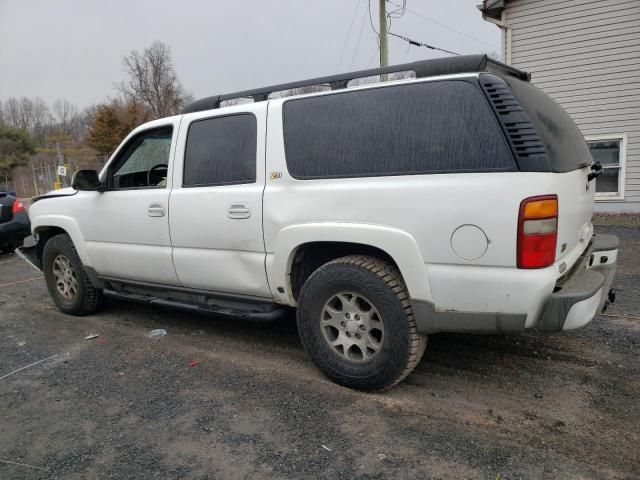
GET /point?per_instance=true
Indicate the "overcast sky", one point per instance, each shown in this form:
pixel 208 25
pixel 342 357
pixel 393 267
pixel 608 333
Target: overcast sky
pixel 73 49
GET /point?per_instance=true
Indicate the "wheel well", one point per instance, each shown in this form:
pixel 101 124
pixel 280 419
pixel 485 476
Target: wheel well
pixel 310 256
pixel 44 234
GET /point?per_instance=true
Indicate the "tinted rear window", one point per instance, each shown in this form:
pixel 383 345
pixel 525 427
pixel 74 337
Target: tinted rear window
pixel 432 127
pixel 563 141
pixel 221 151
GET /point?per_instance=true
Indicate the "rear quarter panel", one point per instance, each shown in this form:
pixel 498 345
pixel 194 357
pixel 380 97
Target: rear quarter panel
pixel 429 208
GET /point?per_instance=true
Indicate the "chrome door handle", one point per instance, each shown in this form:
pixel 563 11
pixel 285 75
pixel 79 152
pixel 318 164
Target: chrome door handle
pixel 156 210
pixel 239 211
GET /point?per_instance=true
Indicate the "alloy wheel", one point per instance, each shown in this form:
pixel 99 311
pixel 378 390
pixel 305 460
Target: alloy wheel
pixel 352 326
pixel 65 277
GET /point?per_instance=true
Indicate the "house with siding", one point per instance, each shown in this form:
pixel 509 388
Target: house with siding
pixel 586 55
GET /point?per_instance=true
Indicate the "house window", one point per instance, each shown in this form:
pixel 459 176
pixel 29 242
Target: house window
pixel 610 152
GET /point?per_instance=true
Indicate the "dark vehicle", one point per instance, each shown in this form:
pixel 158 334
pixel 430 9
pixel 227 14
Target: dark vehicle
pixel 14 222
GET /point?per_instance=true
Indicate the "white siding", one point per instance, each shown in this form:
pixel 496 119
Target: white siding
pixel 586 55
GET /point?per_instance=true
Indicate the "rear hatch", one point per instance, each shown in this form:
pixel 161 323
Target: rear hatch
pixel 568 159
pixel 6 203
pixel 575 211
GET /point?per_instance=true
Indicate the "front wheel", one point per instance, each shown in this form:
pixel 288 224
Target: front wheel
pixel 356 323
pixel 67 281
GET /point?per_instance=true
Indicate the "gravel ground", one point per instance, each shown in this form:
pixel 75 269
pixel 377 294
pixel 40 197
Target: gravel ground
pixel 124 405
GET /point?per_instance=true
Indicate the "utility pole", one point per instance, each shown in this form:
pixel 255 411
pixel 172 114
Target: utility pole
pixel 384 55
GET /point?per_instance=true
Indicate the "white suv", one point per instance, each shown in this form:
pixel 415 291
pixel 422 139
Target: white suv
pixel 459 200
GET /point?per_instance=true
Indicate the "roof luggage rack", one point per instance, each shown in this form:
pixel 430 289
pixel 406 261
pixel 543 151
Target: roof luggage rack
pixel 423 68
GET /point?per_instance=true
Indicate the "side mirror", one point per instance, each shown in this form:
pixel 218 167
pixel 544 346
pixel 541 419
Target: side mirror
pixel 85 180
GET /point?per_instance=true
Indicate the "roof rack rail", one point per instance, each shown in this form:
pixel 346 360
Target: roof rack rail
pixel 423 68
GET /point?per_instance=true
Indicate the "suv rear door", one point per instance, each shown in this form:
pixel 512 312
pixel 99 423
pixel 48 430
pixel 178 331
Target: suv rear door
pixel 216 203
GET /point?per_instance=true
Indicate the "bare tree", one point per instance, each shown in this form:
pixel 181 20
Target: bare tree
pixel 12 113
pixel 153 81
pixel 65 114
pixel 40 114
pixel 29 114
pixel 83 123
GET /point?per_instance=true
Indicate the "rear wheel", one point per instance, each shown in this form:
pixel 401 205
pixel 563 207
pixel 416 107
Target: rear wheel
pixel 356 323
pixel 66 279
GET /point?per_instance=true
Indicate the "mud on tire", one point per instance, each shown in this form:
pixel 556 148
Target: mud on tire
pixel 67 281
pixel 360 284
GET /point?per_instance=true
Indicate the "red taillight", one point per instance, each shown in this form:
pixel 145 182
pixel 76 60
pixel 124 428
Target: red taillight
pixel 537 231
pixel 17 207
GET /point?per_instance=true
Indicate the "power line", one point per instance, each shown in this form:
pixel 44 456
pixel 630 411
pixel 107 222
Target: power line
pixel 377 33
pixel 421 44
pixel 344 48
pixel 372 57
pixel 371 21
pixel 424 17
pixel 364 17
pixel 398 12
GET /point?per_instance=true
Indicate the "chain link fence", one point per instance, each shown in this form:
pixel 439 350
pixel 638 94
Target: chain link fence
pixel 44 175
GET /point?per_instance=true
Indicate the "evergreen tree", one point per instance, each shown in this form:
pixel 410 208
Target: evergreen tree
pixel 15 148
pixel 105 133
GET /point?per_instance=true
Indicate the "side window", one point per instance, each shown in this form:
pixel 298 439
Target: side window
pixel 144 161
pixel 430 127
pixel 563 141
pixel 221 151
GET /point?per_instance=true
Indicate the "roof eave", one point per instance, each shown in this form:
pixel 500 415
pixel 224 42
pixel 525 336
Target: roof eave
pixel 492 8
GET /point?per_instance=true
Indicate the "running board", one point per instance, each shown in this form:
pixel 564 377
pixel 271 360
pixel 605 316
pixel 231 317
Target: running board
pixel 30 255
pixel 266 312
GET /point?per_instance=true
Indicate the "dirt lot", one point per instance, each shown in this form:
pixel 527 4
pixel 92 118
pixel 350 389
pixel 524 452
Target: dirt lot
pixel 124 405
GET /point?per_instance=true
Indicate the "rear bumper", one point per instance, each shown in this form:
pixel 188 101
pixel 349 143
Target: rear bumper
pixel 583 293
pixel 545 304
pixel 15 229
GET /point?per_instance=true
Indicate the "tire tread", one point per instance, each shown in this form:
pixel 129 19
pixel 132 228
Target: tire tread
pixel 92 298
pixel 392 278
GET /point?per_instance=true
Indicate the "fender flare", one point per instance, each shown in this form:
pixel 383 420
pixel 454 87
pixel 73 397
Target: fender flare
pixel 69 225
pixel 398 244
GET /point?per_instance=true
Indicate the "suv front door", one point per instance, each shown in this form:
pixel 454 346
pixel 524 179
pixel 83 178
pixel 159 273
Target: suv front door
pixel 126 227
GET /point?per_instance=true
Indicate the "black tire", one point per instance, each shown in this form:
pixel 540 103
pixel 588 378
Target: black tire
pixel 12 246
pixel 86 299
pixel 381 284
